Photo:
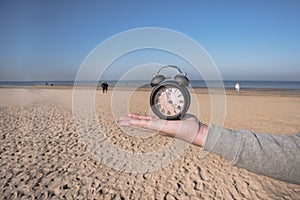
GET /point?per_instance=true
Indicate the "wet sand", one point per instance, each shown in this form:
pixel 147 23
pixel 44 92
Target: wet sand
pixel 43 155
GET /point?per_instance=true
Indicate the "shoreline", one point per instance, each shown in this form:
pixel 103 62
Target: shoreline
pixel 198 90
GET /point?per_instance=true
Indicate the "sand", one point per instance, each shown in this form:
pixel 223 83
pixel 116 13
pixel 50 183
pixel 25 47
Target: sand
pixel 42 154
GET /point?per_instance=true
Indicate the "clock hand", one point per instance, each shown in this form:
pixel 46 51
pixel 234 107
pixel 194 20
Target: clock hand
pixel 169 98
pixel 175 102
pixel 173 99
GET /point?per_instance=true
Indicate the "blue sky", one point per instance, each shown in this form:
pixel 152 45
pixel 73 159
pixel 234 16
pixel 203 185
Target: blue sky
pixel 248 40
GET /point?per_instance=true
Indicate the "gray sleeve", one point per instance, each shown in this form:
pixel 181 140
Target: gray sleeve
pixel 276 156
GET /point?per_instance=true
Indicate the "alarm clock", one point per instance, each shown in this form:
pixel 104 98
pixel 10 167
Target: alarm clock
pixel 170 98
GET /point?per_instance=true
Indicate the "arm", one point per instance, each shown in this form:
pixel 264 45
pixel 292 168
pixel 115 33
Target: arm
pixel 276 156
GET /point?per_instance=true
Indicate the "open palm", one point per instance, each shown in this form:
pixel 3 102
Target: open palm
pixel 189 129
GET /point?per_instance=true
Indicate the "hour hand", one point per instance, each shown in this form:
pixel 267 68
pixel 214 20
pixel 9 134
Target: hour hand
pixel 169 98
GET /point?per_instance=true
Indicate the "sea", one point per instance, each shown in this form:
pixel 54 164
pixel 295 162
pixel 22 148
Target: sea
pixel 284 85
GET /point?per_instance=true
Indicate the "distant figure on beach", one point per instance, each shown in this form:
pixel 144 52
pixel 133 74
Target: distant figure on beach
pixel 104 86
pixel 237 87
pixel 276 156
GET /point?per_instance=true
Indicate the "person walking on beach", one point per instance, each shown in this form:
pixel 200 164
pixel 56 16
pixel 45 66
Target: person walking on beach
pixel 104 86
pixel 237 87
pixel 276 156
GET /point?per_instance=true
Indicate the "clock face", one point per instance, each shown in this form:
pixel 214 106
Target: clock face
pixel 169 101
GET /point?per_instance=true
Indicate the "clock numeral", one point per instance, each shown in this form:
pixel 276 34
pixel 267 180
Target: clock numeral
pixel 179 95
pixel 163 110
pixel 181 101
pixel 175 111
pixel 159 106
pixel 168 113
pixel 179 107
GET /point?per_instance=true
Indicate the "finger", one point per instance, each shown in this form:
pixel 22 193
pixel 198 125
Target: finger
pixel 125 117
pixel 134 116
pixel 130 121
pixel 140 116
pixel 124 121
pixel 139 123
pixel 137 116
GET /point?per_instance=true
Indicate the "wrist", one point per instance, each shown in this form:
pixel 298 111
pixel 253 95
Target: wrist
pixel 201 135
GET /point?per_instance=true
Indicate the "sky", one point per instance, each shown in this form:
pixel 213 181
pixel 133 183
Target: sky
pixel 248 40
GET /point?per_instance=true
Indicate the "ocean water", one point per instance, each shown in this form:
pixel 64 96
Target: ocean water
pixel 292 85
pixel 254 84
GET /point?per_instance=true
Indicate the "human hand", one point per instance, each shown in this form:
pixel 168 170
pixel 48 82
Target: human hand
pixel 189 129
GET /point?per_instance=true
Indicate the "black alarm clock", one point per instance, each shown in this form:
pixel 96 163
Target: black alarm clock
pixel 170 98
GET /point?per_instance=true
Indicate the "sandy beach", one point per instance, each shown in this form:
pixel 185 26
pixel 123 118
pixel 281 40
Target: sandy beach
pixel 42 155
